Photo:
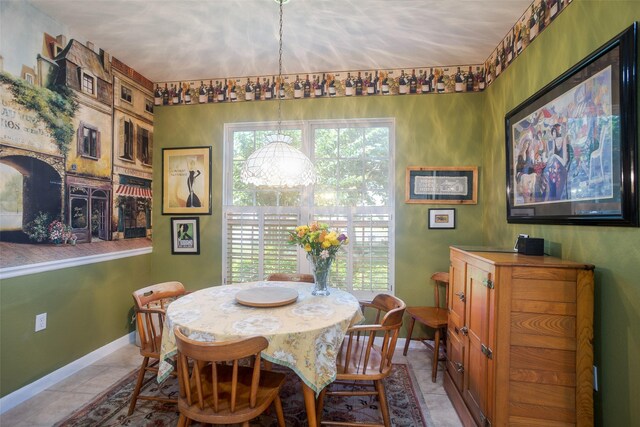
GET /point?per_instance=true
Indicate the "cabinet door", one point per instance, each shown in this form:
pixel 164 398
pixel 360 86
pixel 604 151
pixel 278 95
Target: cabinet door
pixel 477 353
pixel 455 357
pixel 457 297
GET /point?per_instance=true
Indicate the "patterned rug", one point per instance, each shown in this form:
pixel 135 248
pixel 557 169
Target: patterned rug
pixel 110 408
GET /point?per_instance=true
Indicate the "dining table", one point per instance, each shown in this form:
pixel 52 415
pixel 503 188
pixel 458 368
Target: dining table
pixel 305 333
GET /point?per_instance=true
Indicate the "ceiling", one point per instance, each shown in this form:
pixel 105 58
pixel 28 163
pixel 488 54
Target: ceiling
pixel 169 40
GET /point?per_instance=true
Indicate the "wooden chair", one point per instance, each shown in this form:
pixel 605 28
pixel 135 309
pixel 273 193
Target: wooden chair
pixel 433 317
pixel 288 277
pixel 214 389
pixel 150 304
pixel 366 354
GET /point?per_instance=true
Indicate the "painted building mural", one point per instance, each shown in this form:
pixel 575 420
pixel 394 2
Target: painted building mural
pixel 76 144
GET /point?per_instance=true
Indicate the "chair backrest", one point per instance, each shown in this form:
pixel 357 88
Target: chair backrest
pixel 369 349
pixel 150 304
pixel 440 278
pixel 288 277
pixel 218 358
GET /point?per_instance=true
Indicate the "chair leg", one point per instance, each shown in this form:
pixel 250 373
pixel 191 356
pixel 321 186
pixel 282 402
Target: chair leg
pixel 182 421
pixel 320 404
pixel 436 355
pixel 136 391
pixel 409 332
pixel 279 412
pixel 384 408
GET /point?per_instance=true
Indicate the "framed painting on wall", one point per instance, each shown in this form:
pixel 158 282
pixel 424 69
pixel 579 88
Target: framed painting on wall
pixel 442 218
pixel 442 185
pixel 185 236
pixel 186 181
pixel 571 148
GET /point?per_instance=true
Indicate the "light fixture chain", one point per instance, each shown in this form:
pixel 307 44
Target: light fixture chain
pixel 281 83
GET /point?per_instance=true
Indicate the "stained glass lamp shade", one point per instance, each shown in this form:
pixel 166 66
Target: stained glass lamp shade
pixel 278 165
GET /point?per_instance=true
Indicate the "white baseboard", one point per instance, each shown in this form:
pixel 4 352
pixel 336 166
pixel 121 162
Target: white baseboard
pixel 17 397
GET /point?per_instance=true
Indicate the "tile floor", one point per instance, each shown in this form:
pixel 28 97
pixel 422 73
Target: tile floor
pixel 55 403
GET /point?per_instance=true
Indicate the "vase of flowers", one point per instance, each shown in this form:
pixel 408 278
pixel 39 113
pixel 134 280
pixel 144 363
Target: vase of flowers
pixel 321 246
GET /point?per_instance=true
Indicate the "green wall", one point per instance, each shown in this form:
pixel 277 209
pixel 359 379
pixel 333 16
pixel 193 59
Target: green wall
pixel 436 130
pixel 431 130
pixel 578 31
pixel 87 307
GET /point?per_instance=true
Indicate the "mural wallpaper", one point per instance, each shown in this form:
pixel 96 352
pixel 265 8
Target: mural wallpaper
pixel 76 141
pixel 76 129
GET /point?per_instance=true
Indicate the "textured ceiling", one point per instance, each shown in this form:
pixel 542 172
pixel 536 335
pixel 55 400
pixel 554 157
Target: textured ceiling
pixel 197 39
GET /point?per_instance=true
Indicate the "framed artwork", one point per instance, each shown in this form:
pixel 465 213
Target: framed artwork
pixel 442 185
pixel 572 149
pixel 186 181
pixel 185 236
pixel 442 218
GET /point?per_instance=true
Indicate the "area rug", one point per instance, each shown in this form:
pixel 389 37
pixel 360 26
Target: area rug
pixel 110 408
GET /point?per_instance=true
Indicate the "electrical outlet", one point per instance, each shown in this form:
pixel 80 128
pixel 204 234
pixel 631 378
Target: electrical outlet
pixel 595 378
pixel 41 321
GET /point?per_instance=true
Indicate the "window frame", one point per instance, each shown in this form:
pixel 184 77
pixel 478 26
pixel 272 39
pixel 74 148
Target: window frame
pixel 81 149
pixel 89 77
pixel 126 94
pixel 306 208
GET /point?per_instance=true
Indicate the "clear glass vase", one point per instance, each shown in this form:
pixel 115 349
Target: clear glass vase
pixel 321 270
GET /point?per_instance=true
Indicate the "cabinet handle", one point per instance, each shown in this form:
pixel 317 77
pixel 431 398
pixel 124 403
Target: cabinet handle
pixel 459 367
pixel 461 296
pixel 464 330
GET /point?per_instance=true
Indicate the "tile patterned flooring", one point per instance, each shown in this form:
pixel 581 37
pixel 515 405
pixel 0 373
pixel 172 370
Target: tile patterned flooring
pixel 55 403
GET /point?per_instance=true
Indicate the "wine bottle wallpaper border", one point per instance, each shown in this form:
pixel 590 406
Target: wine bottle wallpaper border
pixel 356 83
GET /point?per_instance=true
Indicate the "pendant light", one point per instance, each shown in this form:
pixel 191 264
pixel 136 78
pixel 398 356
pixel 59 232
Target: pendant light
pixel 278 164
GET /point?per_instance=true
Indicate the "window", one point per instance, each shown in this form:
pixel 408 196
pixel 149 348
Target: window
pixel 126 94
pixel 127 139
pixel 148 105
pixel 144 145
pixel 29 78
pixel 88 84
pixel 88 141
pixel 353 194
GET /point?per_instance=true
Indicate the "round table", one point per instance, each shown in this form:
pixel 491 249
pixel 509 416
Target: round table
pixel 305 335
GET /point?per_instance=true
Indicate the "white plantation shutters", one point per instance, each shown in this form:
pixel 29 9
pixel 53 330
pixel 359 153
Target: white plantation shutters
pixel 257 245
pixel 242 247
pixel 354 195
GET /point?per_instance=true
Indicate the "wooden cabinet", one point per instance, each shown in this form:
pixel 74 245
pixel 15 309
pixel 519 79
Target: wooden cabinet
pixel 519 347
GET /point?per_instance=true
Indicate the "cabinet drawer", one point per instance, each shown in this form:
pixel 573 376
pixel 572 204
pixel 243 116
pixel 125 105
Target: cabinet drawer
pixel 455 357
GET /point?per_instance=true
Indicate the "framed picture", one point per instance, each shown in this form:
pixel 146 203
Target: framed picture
pixel 442 185
pixel 442 218
pixel 185 236
pixel 186 181
pixel 572 147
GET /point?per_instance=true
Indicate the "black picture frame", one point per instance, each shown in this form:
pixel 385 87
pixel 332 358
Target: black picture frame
pixel 186 181
pixel 185 236
pixel 445 185
pixel 442 219
pixel 571 148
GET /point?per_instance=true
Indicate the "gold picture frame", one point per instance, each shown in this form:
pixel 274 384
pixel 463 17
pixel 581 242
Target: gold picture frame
pixel 186 181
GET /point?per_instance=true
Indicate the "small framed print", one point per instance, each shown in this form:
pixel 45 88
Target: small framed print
pixel 446 185
pixel 186 181
pixel 442 218
pixel 185 236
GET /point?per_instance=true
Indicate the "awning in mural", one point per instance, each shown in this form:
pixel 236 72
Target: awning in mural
pixel 133 191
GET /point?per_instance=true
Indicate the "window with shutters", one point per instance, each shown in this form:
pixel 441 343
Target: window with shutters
pixel 353 194
pixel 88 141
pixel 144 145
pixel 126 139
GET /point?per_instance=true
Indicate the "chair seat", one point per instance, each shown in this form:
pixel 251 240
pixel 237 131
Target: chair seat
pixel 355 368
pixel 268 388
pixel 433 317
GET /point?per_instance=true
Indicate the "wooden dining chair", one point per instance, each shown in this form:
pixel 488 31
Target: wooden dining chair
pixel 215 389
pixel 288 277
pixel 435 317
pixel 366 355
pixel 150 304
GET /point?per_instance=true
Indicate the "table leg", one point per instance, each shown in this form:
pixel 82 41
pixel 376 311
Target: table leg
pixel 310 404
